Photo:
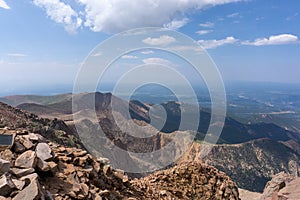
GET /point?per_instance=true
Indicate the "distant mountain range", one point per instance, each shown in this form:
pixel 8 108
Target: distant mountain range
pixel 249 153
pixel 60 106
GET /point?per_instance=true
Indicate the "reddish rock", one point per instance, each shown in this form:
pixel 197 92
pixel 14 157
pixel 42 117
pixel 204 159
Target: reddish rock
pixel 25 142
pixel 42 165
pixel 36 137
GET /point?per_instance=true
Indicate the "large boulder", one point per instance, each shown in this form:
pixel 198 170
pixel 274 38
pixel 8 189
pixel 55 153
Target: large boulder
pixel 43 152
pixel 26 160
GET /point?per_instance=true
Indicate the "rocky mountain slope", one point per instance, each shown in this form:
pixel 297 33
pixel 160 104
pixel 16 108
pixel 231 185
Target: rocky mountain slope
pixel 255 152
pixel 54 129
pixel 249 164
pixel 37 167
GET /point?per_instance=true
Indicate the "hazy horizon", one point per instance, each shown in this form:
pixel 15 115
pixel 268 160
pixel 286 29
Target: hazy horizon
pixel 50 90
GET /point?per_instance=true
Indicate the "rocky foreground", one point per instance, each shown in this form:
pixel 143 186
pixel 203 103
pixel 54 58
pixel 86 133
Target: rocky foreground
pixel 283 186
pixel 36 168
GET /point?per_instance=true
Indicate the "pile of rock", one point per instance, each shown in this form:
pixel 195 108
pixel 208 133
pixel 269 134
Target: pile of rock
pixel 192 180
pixel 35 168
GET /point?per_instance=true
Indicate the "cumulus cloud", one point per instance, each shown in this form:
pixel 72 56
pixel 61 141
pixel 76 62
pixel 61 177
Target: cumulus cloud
pixel 4 5
pixel 159 61
pixel 60 13
pixel 211 44
pixel 163 40
pixel 203 32
pixel 129 57
pixel 120 15
pixel 274 40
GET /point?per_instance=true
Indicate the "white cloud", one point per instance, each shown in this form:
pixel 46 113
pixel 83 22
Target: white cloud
pixel 4 5
pixel 163 40
pixel 16 54
pixel 60 13
pixel 147 52
pixel 207 25
pixel 176 24
pixel 159 61
pixel 203 32
pixel 211 44
pixel 274 40
pixel 111 16
pixel 233 15
pixel 129 57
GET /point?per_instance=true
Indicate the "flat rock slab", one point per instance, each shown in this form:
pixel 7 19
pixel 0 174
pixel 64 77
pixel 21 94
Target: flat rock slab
pixel 21 172
pixel 30 177
pixel 26 160
pixel 32 191
pixel 43 151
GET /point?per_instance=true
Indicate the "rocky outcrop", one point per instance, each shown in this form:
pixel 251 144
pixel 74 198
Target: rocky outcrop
pixel 42 169
pixel 19 120
pixel 47 170
pixel 282 187
pixel 250 165
pixel 191 180
pixel 42 163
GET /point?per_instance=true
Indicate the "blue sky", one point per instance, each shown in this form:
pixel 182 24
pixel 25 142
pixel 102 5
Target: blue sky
pixel 43 42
